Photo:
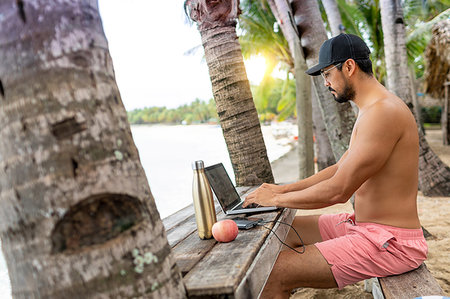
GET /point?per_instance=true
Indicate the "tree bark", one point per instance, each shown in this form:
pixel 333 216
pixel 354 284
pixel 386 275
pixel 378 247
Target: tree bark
pixel 231 90
pixel 434 175
pixel 333 16
pixel 75 207
pixel 283 13
pixel 304 115
pixel 415 101
pixel 323 149
pixel 445 116
pixel 339 118
pixel 321 146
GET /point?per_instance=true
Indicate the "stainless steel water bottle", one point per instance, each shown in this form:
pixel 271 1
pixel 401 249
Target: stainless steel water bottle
pixel 205 213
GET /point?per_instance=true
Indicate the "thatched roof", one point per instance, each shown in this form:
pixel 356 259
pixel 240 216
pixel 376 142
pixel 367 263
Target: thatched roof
pixel 437 56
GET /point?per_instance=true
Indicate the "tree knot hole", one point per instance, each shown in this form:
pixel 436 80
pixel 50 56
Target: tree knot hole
pixel 21 10
pixel 67 128
pixel 96 220
pixel 2 89
pixel 74 167
pixel 399 20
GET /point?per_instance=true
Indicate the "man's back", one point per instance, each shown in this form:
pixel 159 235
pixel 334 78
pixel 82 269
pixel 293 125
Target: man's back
pixel 389 196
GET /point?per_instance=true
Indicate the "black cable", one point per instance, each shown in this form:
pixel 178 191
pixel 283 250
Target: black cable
pixel 262 222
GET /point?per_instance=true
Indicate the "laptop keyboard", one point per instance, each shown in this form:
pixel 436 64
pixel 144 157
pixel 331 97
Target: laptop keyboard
pixel 250 206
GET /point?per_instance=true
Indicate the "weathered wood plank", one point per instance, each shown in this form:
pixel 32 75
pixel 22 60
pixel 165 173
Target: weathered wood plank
pixel 221 270
pixel 416 283
pixel 173 220
pixel 185 227
pixel 192 249
pixel 257 274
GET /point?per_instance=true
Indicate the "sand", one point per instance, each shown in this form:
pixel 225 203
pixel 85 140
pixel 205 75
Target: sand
pixel 434 213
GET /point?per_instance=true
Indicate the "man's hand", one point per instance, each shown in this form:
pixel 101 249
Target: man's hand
pixel 264 195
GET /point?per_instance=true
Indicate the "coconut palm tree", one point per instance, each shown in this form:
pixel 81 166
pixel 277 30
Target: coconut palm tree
pixel 338 118
pixel 434 175
pixel 333 16
pixel 216 21
pixel 260 33
pixel 77 217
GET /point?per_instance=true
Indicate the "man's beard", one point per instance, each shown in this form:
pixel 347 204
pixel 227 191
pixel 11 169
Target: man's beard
pixel 347 95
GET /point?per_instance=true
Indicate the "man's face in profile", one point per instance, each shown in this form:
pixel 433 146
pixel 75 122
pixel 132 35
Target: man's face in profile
pixel 348 93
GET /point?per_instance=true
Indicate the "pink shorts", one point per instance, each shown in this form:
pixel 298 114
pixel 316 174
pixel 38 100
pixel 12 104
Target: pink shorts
pixel 358 251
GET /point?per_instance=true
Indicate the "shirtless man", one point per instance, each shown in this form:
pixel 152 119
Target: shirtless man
pixel 383 236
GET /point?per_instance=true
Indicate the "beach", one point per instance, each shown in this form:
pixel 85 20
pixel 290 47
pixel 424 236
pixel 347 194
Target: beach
pixel 166 159
pixel 434 213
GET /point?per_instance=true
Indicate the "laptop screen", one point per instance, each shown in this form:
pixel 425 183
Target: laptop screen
pixel 222 186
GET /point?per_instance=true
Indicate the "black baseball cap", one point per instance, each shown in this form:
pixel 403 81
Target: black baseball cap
pixel 339 49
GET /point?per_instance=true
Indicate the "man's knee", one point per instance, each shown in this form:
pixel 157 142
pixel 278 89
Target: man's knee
pixel 308 231
pixel 294 270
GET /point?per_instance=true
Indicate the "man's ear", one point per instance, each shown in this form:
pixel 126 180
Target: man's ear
pixel 350 67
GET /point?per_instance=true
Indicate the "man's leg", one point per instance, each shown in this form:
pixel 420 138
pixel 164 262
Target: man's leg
pixel 308 229
pixel 293 270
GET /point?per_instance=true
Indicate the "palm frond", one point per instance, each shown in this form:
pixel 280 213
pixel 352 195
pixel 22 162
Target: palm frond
pixel 287 103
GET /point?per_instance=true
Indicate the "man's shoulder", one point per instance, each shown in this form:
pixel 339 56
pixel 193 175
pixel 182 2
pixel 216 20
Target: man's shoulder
pixel 388 109
pixel 387 116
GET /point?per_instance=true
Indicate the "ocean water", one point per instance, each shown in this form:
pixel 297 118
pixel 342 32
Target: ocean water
pixel 166 154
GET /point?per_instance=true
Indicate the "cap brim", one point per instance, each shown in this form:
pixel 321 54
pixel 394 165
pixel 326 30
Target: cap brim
pixel 315 70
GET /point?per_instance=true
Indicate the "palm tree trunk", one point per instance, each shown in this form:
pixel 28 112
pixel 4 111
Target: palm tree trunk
pixel 75 206
pixel 282 12
pixel 304 115
pixel 322 144
pixel 434 175
pixel 231 90
pixel 333 16
pixel 445 118
pixel 415 101
pixel 338 118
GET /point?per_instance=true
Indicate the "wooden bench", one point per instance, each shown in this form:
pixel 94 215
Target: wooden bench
pixel 238 269
pixel 416 283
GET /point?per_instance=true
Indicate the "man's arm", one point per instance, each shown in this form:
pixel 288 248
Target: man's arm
pixel 376 135
pixel 322 175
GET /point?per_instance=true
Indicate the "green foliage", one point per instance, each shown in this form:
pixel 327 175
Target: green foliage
pixel 259 33
pixel 275 99
pixel 196 112
pixel 287 103
pixel 363 18
pixel 431 114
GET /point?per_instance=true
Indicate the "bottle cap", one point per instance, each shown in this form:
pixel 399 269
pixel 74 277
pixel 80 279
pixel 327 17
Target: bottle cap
pixel 198 165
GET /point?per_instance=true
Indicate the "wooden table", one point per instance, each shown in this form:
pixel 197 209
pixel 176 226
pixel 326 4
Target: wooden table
pixel 238 269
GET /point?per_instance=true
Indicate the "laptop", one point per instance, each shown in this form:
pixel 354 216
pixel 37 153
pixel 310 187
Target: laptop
pixel 226 194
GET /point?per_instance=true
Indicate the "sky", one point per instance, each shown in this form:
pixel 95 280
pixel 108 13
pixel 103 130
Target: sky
pixel 147 40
